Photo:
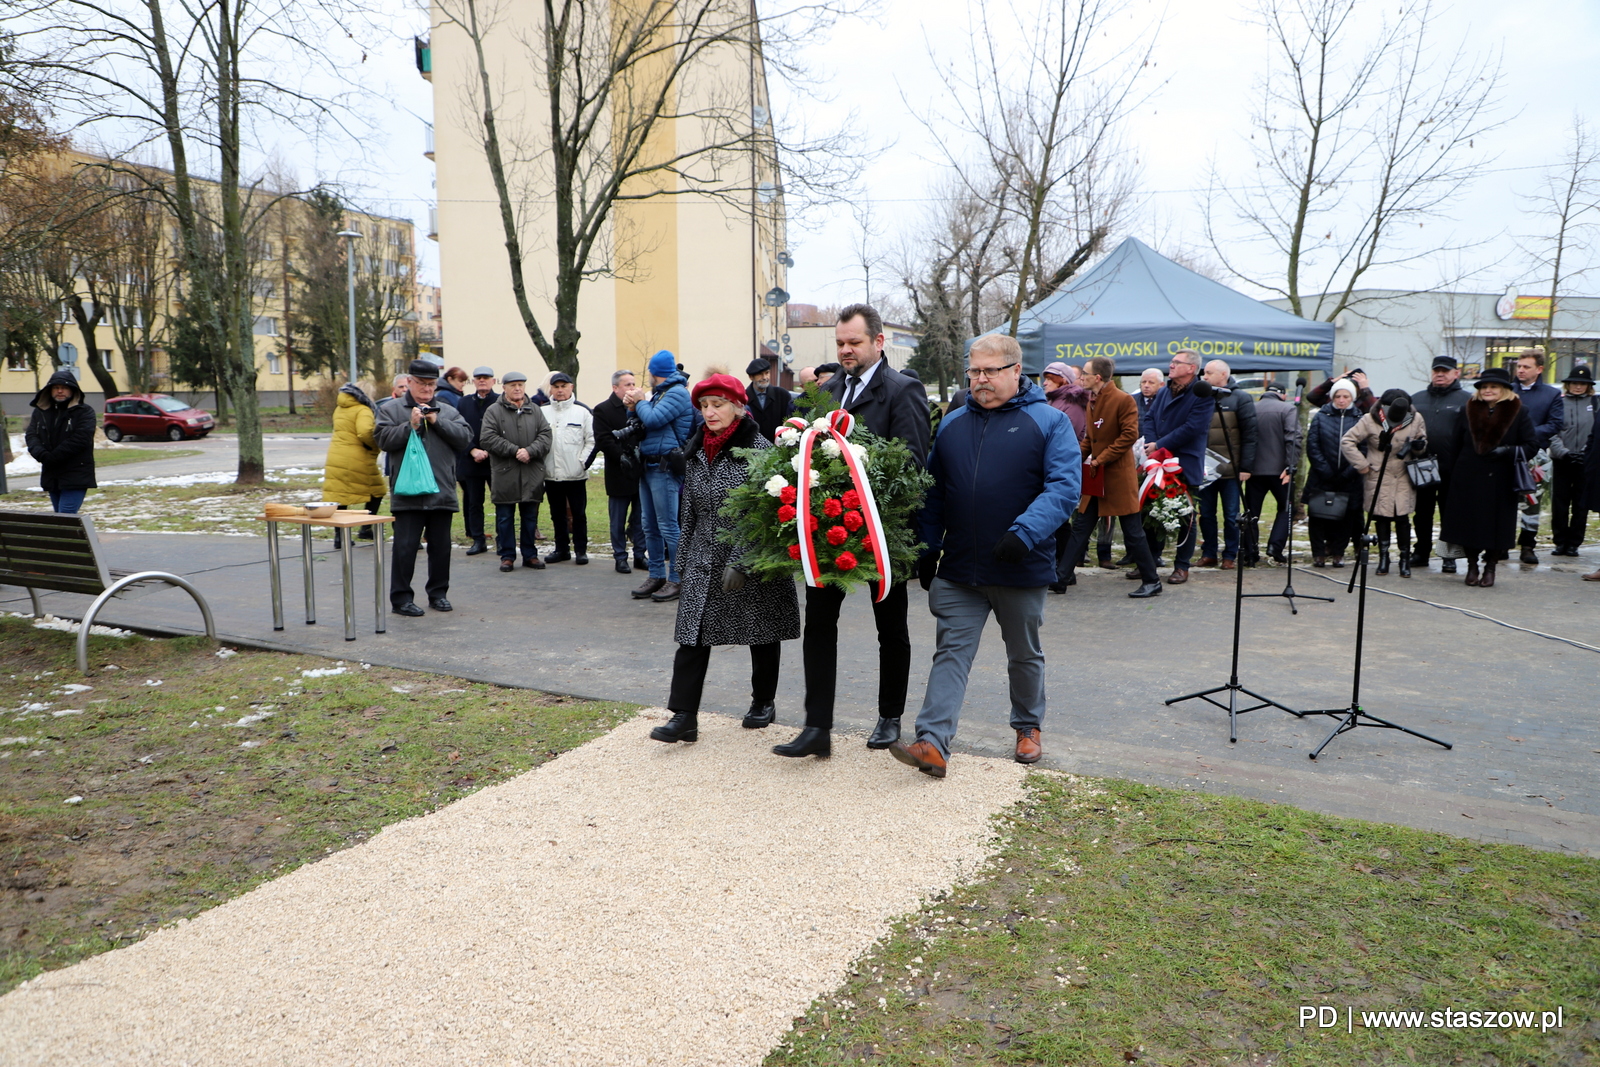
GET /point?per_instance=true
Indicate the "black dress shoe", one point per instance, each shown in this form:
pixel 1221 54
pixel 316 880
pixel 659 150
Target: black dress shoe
pixel 439 603
pixel 409 608
pixel 886 733
pixel 760 716
pixel 813 741
pixel 1125 561
pixel 1447 566
pixel 478 548
pixel 640 563
pixel 683 726
pixel 1529 558
pixel 558 557
pixel 581 559
pixel 623 568
pixel 508 565
pixel 1058 587
pixel 1146 590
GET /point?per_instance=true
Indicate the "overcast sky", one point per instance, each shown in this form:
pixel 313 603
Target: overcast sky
pixel 1207 60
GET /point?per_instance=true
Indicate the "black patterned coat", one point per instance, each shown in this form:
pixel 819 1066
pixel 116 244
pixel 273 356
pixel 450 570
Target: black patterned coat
pixel 761 612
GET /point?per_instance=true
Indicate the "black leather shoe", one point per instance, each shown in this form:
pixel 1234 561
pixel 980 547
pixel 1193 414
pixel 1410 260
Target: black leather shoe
pixel 683 726
pixel 1146 590
pixel 760 716
pixel 581 559
pixel 558 557
pixel 1405 565
pixel 813 741
pixel 1058 587
pixel 478 548
pixel 1447 566
pixel 1529 558
pixel 409 609
pixel 439 603
pixel 623 568
pixel 886 733
pixel 640 563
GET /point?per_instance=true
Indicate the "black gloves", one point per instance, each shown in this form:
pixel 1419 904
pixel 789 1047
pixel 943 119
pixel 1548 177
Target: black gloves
pixel 927 567
pixel 1385 440
pixel 733 578
pixel 1010 548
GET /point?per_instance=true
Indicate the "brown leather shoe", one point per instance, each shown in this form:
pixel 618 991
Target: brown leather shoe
pixel 650 586
pixel 1595 577
pixel 1208 561
pixel 1227 564
pixel 1029 746
pixel 1178 577
pixel 919 754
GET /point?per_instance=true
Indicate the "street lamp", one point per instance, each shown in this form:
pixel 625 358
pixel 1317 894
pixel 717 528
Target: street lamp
pixel 350 272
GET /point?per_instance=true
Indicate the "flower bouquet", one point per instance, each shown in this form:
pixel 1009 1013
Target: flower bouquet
pixel 1164 499
pixel 831 504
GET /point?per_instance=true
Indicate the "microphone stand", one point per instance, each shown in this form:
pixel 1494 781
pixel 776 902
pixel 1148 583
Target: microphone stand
pixel 1288 577
pixel 1355 716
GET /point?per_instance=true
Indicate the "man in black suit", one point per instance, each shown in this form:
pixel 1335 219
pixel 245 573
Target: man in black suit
pixel 889 404
pixel 769 404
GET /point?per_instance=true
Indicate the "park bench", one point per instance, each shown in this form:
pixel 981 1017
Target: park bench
pixel 59 553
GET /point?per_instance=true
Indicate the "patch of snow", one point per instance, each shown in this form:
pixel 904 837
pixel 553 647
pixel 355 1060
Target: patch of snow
pixel 73 688
pixel 251 744
pixel 15 740
pixel 322 672
pixel 73 800
pixel 251 720
pixel 26 708
pixel 66 711
pixel 50 622
pixel 152 682
pixel 224 653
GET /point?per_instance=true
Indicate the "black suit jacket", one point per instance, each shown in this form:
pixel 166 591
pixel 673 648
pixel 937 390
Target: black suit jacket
pixel 892 405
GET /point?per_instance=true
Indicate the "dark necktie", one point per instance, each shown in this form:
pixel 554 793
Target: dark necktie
pixel 850 393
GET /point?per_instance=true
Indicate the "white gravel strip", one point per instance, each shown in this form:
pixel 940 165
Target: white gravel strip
pixel 627 903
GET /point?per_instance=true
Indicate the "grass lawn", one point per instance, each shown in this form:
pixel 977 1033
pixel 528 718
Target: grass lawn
pixel 110 457
pixel 1127 924
pixel 306 419
pixel 203 775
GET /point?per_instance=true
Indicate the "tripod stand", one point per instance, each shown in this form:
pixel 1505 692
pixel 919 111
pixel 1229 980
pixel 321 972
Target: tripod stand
pixel 1354 716
pixel 1288 577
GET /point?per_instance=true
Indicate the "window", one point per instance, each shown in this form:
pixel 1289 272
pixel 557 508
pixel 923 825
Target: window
pixel 105 358
pixel 169 403
pixel 397 334
pixel 16 360
pixel 266 326
pixel 274 364
pixel 133 317
pixel 263 288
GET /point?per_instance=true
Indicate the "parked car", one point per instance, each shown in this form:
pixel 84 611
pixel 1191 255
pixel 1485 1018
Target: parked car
pixel 155 415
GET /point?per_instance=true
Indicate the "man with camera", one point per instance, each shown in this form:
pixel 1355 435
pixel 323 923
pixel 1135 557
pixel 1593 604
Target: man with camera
pixel 614 440
pixel 444 433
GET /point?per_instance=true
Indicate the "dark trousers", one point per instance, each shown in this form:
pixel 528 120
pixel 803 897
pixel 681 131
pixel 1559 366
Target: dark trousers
pixel 1569 522
pixel 820 651
pixel 626 527
pixel 409 527
pixel 1256 491
pixel 1330 537
pixel 1429 497
pixel 472 494
pixel 1183 554
pixel 689 675
pixel 1084 524
pixel 505 528
pixel 575 495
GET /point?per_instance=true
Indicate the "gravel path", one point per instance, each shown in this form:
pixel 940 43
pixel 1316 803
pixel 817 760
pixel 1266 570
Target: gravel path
pixel 627 903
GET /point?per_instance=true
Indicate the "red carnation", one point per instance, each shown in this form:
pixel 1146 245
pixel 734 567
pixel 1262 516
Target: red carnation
pixel 845 561
pixel 786 513
pixel 837 535
pixel 853 521
pixel 852 499
pixel 813 522
pixel 832 508
pixel 788 495
pixel 794 551
pixel 867 543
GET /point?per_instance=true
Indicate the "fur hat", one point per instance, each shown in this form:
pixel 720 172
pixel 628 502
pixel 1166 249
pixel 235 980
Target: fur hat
pixel 723 385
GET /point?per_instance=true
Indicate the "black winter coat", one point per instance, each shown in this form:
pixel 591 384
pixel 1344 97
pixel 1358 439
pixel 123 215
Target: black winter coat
pixel 769 406
pixel 1441 411
pixel 1480 512
pixel 623 465
pixel 61 437
pixel 1330 471
pixel 472 408
pixel 761 612
pixel 1591 474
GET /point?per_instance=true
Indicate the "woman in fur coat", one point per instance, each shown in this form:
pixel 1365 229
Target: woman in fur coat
pixel 1480 514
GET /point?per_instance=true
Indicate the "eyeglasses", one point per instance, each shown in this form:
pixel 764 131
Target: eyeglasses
pixel 974 373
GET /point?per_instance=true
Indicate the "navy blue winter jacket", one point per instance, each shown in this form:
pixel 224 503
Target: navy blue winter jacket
pixel 667 415
pixel 1015 468
pixel 1181 423
pixel 1542 402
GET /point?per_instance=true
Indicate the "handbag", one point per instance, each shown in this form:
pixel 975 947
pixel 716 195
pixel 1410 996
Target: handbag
pixel 1327 505
pixel 416 470
pixel 1522 483
pixel 1424 472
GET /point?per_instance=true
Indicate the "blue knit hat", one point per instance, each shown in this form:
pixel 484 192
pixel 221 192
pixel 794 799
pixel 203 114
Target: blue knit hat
pixel 663 364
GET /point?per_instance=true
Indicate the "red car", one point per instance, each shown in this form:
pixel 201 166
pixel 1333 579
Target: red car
pixel 155 415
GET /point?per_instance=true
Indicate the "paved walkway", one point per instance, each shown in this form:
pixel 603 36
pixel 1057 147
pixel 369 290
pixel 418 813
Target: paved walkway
pixel 1519 709
pixel 628 903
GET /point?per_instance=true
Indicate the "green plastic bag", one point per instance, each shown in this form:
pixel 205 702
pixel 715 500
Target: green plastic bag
pixel 416 470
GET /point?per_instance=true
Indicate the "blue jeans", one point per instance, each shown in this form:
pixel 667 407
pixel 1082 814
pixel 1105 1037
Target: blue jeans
pixel 626 527
pixel 1228 490
pixel 962 611
pixel 658 503
pixel 67 501
pixel 505 528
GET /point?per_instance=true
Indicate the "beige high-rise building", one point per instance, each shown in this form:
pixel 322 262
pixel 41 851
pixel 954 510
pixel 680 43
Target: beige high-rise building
pixel 695 272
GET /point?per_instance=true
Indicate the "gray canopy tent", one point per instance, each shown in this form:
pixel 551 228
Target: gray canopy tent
pixel 1139 307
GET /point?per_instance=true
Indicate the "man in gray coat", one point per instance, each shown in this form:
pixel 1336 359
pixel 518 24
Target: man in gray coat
pixel 444 433
pixel 517 437
pixel 1277 456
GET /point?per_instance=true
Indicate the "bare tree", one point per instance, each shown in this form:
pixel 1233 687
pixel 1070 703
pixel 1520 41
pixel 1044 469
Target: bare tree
pixel 1366 133
pixel 1568 202
pixel 638 104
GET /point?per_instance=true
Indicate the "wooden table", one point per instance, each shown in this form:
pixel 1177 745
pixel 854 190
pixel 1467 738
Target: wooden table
pixel 339 520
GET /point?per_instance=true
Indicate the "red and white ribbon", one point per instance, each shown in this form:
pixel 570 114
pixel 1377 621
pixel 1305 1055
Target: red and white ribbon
pixel 839 424
pixel 1160 464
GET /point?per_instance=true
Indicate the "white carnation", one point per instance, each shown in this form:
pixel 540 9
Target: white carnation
pixel 830 448
pixel 776 485
pixel 795 462
pixel 859 452
pixel 821 424
pixel 788 436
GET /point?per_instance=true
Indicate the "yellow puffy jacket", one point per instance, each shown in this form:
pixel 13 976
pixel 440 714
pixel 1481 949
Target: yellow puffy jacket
pixel 352 476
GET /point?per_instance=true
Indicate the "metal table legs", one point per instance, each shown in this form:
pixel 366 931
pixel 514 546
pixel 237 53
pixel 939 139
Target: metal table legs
pixel 380 595
pixel 305 567
pixel 274 567
pixel 348 551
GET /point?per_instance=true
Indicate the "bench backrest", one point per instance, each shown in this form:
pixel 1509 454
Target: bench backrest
pixel 43 550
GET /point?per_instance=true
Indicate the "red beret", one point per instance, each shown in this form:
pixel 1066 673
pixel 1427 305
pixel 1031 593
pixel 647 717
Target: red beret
pixel 723 385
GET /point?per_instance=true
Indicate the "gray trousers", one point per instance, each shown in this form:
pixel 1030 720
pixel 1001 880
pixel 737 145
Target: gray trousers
pixel 962 611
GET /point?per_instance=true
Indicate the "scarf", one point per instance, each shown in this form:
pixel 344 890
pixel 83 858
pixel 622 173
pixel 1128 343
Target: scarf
pixel 713 443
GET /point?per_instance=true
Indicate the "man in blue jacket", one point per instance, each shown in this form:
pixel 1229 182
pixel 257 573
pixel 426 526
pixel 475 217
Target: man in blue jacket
pixel 1007 473
pixel 668 420
pixel 1179 420
pixel 1542 402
